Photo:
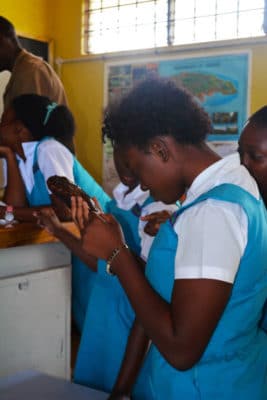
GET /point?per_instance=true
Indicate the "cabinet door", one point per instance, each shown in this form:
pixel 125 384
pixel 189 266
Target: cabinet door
pixel 35 322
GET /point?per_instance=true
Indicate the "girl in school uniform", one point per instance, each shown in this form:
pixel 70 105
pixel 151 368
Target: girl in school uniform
pixel 202 299
pixel 36 139
pixel 109 316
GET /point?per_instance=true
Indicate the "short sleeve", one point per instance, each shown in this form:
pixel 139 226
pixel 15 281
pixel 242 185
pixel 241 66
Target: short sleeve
pixel 212 237
pixel 55 159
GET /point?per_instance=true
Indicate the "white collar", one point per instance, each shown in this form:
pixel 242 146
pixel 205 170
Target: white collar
pixel 28 148
pixel 127 201
pixel 220 170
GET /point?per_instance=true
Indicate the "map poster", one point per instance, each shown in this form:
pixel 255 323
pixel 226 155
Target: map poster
pixel 218 82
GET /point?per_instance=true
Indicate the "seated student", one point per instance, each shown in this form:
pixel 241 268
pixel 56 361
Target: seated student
pixel 253 154
pixel 202 298
pixel 109 316
pixel 38 135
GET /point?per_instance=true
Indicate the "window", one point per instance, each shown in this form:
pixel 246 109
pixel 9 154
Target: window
pixel 117 25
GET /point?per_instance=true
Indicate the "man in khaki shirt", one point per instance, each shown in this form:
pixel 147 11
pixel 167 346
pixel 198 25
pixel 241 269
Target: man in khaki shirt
pixel 29 74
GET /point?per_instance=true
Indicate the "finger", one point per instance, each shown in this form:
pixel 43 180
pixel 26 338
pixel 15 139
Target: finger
pixel 97 204
pixel 85 211
pixel 74 208
pixel 79 212
pixel 148 217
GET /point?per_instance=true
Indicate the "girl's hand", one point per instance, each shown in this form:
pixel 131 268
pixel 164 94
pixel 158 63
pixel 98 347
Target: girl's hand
pixel 47 218
pixel 154 220
pixel 62 211
pixel 101 233
pixel 79 212
pixel 6 152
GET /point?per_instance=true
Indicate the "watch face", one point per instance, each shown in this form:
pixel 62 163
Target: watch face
pixel 9 216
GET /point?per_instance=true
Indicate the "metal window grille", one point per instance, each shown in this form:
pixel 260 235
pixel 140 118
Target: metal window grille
pixel 118 25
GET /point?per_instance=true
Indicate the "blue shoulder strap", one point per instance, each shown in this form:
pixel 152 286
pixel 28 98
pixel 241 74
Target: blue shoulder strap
pixel 35 165
pixel 225 192
pixel 83 179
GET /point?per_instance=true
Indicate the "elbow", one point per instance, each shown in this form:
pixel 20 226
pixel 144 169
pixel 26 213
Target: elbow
pixel 183 360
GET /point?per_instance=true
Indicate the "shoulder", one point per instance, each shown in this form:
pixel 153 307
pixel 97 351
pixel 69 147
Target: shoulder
pixel 53 146
pixel 30 62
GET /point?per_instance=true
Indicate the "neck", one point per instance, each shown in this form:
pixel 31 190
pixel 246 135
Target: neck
pixel 203 158
pixel 14 53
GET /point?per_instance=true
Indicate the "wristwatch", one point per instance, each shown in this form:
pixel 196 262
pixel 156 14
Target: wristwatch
pixel 9 216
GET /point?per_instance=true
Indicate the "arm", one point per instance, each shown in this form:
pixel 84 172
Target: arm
pixel 136 350
pixel 182 329
pixel 15 191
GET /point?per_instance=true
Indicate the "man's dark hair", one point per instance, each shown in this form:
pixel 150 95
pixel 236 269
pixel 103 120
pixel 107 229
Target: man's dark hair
pixel 155 107
pixel 7 28
pixel 31 110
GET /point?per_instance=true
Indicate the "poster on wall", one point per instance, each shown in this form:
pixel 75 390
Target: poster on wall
pixel 219 82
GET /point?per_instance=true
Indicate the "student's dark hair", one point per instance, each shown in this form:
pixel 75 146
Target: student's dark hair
pixel 155 107
pixel 7 28
pixel 31 110
pixel 259 118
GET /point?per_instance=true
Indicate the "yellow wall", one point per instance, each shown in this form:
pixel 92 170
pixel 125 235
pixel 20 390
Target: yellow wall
pixel 84 81
pixel 30 17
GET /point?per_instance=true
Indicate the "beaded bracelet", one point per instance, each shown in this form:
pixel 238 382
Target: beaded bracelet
pixel 112 257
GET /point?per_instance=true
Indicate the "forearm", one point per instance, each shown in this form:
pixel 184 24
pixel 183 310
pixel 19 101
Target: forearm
pixel 74 244
pixel 153 312
pixel 21 214
pixel 136 350
pixel 15 189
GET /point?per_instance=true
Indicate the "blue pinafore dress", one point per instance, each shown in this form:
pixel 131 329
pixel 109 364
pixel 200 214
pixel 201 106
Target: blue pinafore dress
pixel 82 276
pixel 234 364
pixel 109 316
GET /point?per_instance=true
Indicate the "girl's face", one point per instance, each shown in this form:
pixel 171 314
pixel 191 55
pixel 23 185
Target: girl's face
pixel 253 153
pixel 9 129
pixel 156 171
pixel 122 170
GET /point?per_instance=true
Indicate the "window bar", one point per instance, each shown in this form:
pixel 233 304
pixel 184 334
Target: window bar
pixel 86 28
pixel 136 18
pixel 237 18
pixel 170 22
pixel 155 23
pixel 118 28
pixel 265 17
pixel 194 32
pixel 215 19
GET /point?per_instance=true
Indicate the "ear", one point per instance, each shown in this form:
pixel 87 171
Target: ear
pixel 160 149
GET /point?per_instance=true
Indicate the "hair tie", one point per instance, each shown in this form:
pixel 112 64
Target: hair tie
pixel 49 109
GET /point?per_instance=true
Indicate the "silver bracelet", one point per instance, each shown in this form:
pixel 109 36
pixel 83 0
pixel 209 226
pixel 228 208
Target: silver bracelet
pixel 112 257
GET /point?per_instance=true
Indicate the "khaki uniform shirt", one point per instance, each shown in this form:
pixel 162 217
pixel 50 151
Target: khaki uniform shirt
pixel 32 74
